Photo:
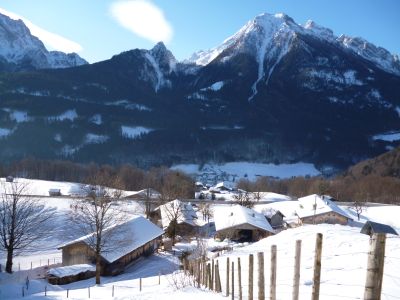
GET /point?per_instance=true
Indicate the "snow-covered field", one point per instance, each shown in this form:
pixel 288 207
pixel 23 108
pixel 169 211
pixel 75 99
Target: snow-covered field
pixel 344 259
pixel 236 170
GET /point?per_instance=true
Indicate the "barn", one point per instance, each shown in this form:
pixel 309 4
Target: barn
pixel 240 223
pixel 129 241
pixel 315 209
pixel 179 211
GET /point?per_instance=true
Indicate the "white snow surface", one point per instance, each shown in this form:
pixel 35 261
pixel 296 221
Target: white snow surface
pixel 4 132
pixel 398 110
pixel 216 86
pixel 322 203
pixel 134 234
pixel 67 115
pixel 96 119
pixel 387 137
pixel 160 82
pixel 230 216
pixel 236 170
pixel 134 132
pixel 71 270
pixel 92 138
pixel 343 265
pixel 17 115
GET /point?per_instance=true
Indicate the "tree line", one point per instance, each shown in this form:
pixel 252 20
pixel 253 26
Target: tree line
pixel 171 184
pixel 371 188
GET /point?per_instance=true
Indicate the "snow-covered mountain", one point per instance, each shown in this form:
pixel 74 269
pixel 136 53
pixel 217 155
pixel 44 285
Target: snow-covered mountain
pixel 19 49
pixel 274 92
pixel 268 37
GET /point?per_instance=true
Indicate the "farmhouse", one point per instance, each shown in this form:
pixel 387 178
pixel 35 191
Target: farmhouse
pixel 181 212
pixel 127 242
pixel 240 223
pixel 315 209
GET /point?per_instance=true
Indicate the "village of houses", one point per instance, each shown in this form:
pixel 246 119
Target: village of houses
pixel 220 221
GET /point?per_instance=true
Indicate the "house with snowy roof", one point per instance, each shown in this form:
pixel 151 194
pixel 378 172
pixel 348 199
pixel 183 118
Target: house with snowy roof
pixel 126 243
pixel 240 223
pixel 316 209
pixel 180 212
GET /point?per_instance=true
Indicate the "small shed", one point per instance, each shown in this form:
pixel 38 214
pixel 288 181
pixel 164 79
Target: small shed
pixel 370 228
pixel 9 179
pixel 275 218
pixel 130 240
pixel 54 192
pixel 240 223
pixel 68 274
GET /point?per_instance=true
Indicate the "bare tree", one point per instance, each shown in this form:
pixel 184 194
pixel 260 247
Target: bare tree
pixel 359 207
pixel 172 212
pixel 23 220
pixel 243 198
pixel 96 216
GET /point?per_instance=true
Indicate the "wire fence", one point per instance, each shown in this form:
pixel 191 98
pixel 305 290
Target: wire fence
pixel 21 264
pixel 276 274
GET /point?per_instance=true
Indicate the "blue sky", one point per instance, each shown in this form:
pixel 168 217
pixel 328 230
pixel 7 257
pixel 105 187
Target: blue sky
pixel 98 29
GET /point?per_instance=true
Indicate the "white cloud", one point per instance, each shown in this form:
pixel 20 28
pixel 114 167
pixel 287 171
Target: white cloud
pixel 142 18
pixel 51 40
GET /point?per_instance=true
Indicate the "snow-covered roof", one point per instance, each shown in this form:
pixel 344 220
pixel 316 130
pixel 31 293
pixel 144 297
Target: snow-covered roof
pixel 235 215
pixel 287 208
pixel 71 270
pixel 153 194
pixel 182 211
pixel 128 236
pixel 323 205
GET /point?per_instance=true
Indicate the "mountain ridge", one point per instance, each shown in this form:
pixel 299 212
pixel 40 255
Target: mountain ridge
pixel 270 95
pixel 22 51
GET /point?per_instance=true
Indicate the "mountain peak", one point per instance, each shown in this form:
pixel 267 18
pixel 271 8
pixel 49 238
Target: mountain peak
pixel 25 51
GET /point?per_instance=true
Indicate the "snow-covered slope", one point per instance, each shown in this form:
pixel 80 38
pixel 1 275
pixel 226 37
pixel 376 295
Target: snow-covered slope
pixel 268 37
pixel 20 47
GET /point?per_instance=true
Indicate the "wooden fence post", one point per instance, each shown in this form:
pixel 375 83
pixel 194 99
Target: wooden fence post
pixel 251 271
pixel 113 291
pixel 376 259
pixel 261 279
pixel 212 275
pixel 296 277
pixel 45 290
pixel 217 279
pixel 272 289
pixel 159 278
pixel 240 279
pixel 140 284
pixel 67 292
pixel 89 291
pixel 233 280
pixel 209 282
pixel 227 276
pixel 317 267
pixel 198 273
pixel 23 292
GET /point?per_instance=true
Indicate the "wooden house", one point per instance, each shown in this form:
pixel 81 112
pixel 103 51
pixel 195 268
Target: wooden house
pixel 240 223
pixel 54 192
pixel 179 211
pixel 315 209
pixel 373 227
pixel 128 242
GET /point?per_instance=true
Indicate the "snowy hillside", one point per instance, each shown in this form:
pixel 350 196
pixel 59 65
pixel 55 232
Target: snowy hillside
pixel 20 47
